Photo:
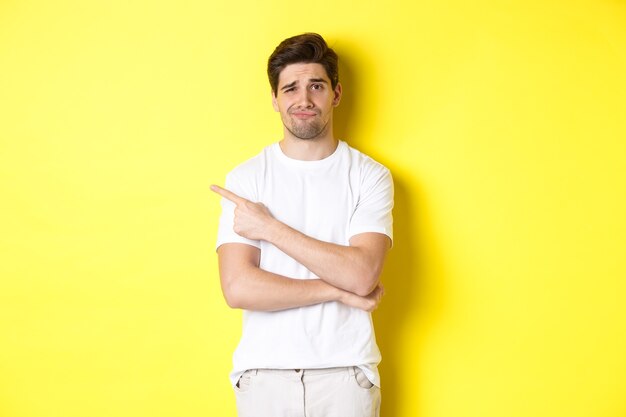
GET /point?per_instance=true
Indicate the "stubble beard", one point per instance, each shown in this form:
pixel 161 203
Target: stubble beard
pixel 306 130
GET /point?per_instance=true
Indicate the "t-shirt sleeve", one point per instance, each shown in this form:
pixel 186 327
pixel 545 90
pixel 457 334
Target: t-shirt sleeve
pixel 243 187
pixel 373 212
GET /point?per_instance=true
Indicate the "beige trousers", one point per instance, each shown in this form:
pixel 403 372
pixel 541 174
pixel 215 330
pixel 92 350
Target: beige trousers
pixel 330 392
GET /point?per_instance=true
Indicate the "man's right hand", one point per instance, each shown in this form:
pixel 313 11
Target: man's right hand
pixel 368 303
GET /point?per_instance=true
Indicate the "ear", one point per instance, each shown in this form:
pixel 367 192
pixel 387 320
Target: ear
pixel 275 102
pixel 337 97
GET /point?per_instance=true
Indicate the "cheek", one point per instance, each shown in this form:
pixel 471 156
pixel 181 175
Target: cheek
pixel 284 106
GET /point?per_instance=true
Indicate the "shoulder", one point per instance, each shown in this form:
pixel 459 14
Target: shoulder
pixel 252 166
pixel 366 165
pixel 246 178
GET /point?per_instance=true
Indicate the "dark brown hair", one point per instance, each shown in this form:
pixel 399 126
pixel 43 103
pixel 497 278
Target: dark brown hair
pixel 305 48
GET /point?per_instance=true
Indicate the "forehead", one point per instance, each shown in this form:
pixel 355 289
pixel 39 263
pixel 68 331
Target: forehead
pixel 302 72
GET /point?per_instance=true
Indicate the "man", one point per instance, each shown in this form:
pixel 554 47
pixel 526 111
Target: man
pixel 303 235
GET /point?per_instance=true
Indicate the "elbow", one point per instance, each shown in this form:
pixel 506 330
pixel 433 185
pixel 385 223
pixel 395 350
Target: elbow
pixel 363 290
pixel 236 265
pixel 232 302
pixel 231 294
pixel 366 271
pixel 367 283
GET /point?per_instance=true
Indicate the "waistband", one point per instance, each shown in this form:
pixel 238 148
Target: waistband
pixel 299 373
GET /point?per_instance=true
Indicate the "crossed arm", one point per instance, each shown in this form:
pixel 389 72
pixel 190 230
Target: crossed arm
pixel 348 274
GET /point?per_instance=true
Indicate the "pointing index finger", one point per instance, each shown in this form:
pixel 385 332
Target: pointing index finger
pixel 229 195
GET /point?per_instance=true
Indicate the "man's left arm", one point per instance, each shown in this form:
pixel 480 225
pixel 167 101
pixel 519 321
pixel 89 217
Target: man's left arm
pixel 355 268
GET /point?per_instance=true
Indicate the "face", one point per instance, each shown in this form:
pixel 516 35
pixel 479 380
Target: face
pixel 305 100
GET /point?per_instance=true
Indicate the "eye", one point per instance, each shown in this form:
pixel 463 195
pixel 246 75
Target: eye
pixel 317 86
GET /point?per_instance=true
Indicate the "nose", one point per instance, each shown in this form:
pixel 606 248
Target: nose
pixel 304 98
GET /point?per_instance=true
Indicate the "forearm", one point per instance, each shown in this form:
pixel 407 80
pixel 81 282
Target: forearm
pixel 349 268
pixel 354 268
pixel 256 289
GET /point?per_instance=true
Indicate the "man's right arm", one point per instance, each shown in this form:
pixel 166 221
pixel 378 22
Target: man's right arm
pixel 247 286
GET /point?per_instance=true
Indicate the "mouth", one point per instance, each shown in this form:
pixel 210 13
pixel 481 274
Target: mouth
pixel 303 114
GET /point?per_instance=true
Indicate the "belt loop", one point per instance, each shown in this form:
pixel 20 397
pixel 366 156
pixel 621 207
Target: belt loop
pixel 352 370
pixel 254 371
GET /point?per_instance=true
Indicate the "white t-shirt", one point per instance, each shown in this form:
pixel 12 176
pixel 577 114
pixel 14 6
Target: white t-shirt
pixel 331 200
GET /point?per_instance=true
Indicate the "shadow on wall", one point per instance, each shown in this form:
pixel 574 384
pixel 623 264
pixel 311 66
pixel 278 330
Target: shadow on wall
pixel 348 105
pixel 404 276
pixel 401 280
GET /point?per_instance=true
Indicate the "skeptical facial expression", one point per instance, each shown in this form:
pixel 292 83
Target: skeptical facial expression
pixel 305 100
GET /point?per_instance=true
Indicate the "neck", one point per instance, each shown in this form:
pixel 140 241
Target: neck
pixel 308 149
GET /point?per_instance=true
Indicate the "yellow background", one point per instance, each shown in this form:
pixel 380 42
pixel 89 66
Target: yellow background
pixel 502 121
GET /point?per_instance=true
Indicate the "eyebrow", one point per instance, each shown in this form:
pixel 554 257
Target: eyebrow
pixel 284 87
pixel 311 80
